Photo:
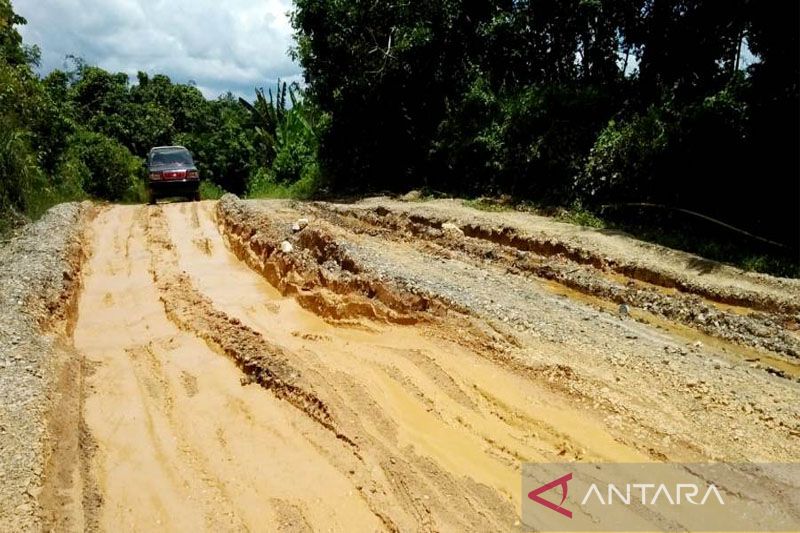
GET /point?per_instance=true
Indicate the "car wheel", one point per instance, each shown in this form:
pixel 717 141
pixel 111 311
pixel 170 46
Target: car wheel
pixel 151 198
pixel 196 196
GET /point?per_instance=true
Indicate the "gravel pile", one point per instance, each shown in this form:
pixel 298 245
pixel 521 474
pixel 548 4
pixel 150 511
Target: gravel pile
pixel 39 273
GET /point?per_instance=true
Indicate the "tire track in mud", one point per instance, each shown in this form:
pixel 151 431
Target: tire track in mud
pixel 403 491
pixel 641 378
pixel 419 415
pixel 191 311
pixel 410 492
pixel 209 456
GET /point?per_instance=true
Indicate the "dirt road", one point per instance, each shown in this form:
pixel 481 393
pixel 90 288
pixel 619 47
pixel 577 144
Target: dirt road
pixel 372 380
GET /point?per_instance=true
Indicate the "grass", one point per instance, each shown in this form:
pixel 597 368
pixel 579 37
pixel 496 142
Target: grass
pixel 303 189
pixel 136 193
pixel 210 190
pixel 38 201
pixel 574 214
pixel 488 204
pixel 580 216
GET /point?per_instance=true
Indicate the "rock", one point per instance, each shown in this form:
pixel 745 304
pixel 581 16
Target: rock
pixel 623 310
pixel 286 247
pixel 302 222
pixel 296 227
pixel 412 196
pixel 452 230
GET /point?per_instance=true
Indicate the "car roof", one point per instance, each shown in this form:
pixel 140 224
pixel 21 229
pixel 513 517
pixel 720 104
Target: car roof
pixel 168 148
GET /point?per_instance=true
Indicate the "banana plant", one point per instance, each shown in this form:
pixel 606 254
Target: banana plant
pixel 278 126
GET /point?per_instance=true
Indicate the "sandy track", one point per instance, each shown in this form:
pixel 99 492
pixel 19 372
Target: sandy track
pixel 432 433
pixel 180 444
pixel 214 400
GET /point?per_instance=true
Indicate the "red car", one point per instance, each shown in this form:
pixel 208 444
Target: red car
pixel 171 172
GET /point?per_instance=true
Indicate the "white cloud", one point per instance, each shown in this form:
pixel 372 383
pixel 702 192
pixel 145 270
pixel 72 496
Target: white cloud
pixel 234 45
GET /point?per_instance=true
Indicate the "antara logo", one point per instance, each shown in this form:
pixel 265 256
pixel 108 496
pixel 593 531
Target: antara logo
pixel 661 493
pixel 631 493
pixel 560 482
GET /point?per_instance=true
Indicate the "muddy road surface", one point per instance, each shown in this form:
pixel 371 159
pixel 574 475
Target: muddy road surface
pixel 254 366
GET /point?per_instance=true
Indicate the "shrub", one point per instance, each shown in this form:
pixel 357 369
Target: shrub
pixel 623 160
pixel 210 190
pixel 264 185
pixel 105 168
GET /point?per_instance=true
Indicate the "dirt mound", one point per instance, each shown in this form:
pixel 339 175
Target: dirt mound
pixel 319 271
pixel 607 250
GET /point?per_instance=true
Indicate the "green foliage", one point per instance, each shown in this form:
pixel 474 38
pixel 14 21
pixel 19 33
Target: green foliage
pixel 577 103
pixel 264 185
pixel 624 158
pixel 589 100
pixel 770 264
pixel 210 190
pixel 83 132
pixel 577 214
pixel 105 168
pixel 705 241
pixel 486 204
pixel 19 174
pixel 469 144
pixel 12 52
pixel 222 144
pixel 286 144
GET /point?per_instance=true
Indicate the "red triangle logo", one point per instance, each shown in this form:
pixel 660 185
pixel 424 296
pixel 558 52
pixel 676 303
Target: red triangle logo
pixel 560 482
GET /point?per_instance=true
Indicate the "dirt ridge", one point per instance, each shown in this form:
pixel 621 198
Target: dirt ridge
pixel 577 270
pixel 320 272
pixel 500 229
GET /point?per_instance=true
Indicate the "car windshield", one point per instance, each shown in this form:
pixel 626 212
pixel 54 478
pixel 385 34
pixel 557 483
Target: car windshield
pixel 174 157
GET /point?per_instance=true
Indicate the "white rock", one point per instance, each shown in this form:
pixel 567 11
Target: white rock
pixel 286 247
pixel 303 222
pixel 451 229
pixel 412 196
pixel 296 227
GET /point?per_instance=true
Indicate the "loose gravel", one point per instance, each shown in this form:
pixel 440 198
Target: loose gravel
pixel 39 272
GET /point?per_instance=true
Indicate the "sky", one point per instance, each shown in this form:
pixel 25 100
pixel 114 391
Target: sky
pixel 221 45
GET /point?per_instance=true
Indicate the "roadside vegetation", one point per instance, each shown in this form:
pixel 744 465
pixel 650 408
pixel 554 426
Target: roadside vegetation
pixel 687 104
pixel 579 107
pixel 84 132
